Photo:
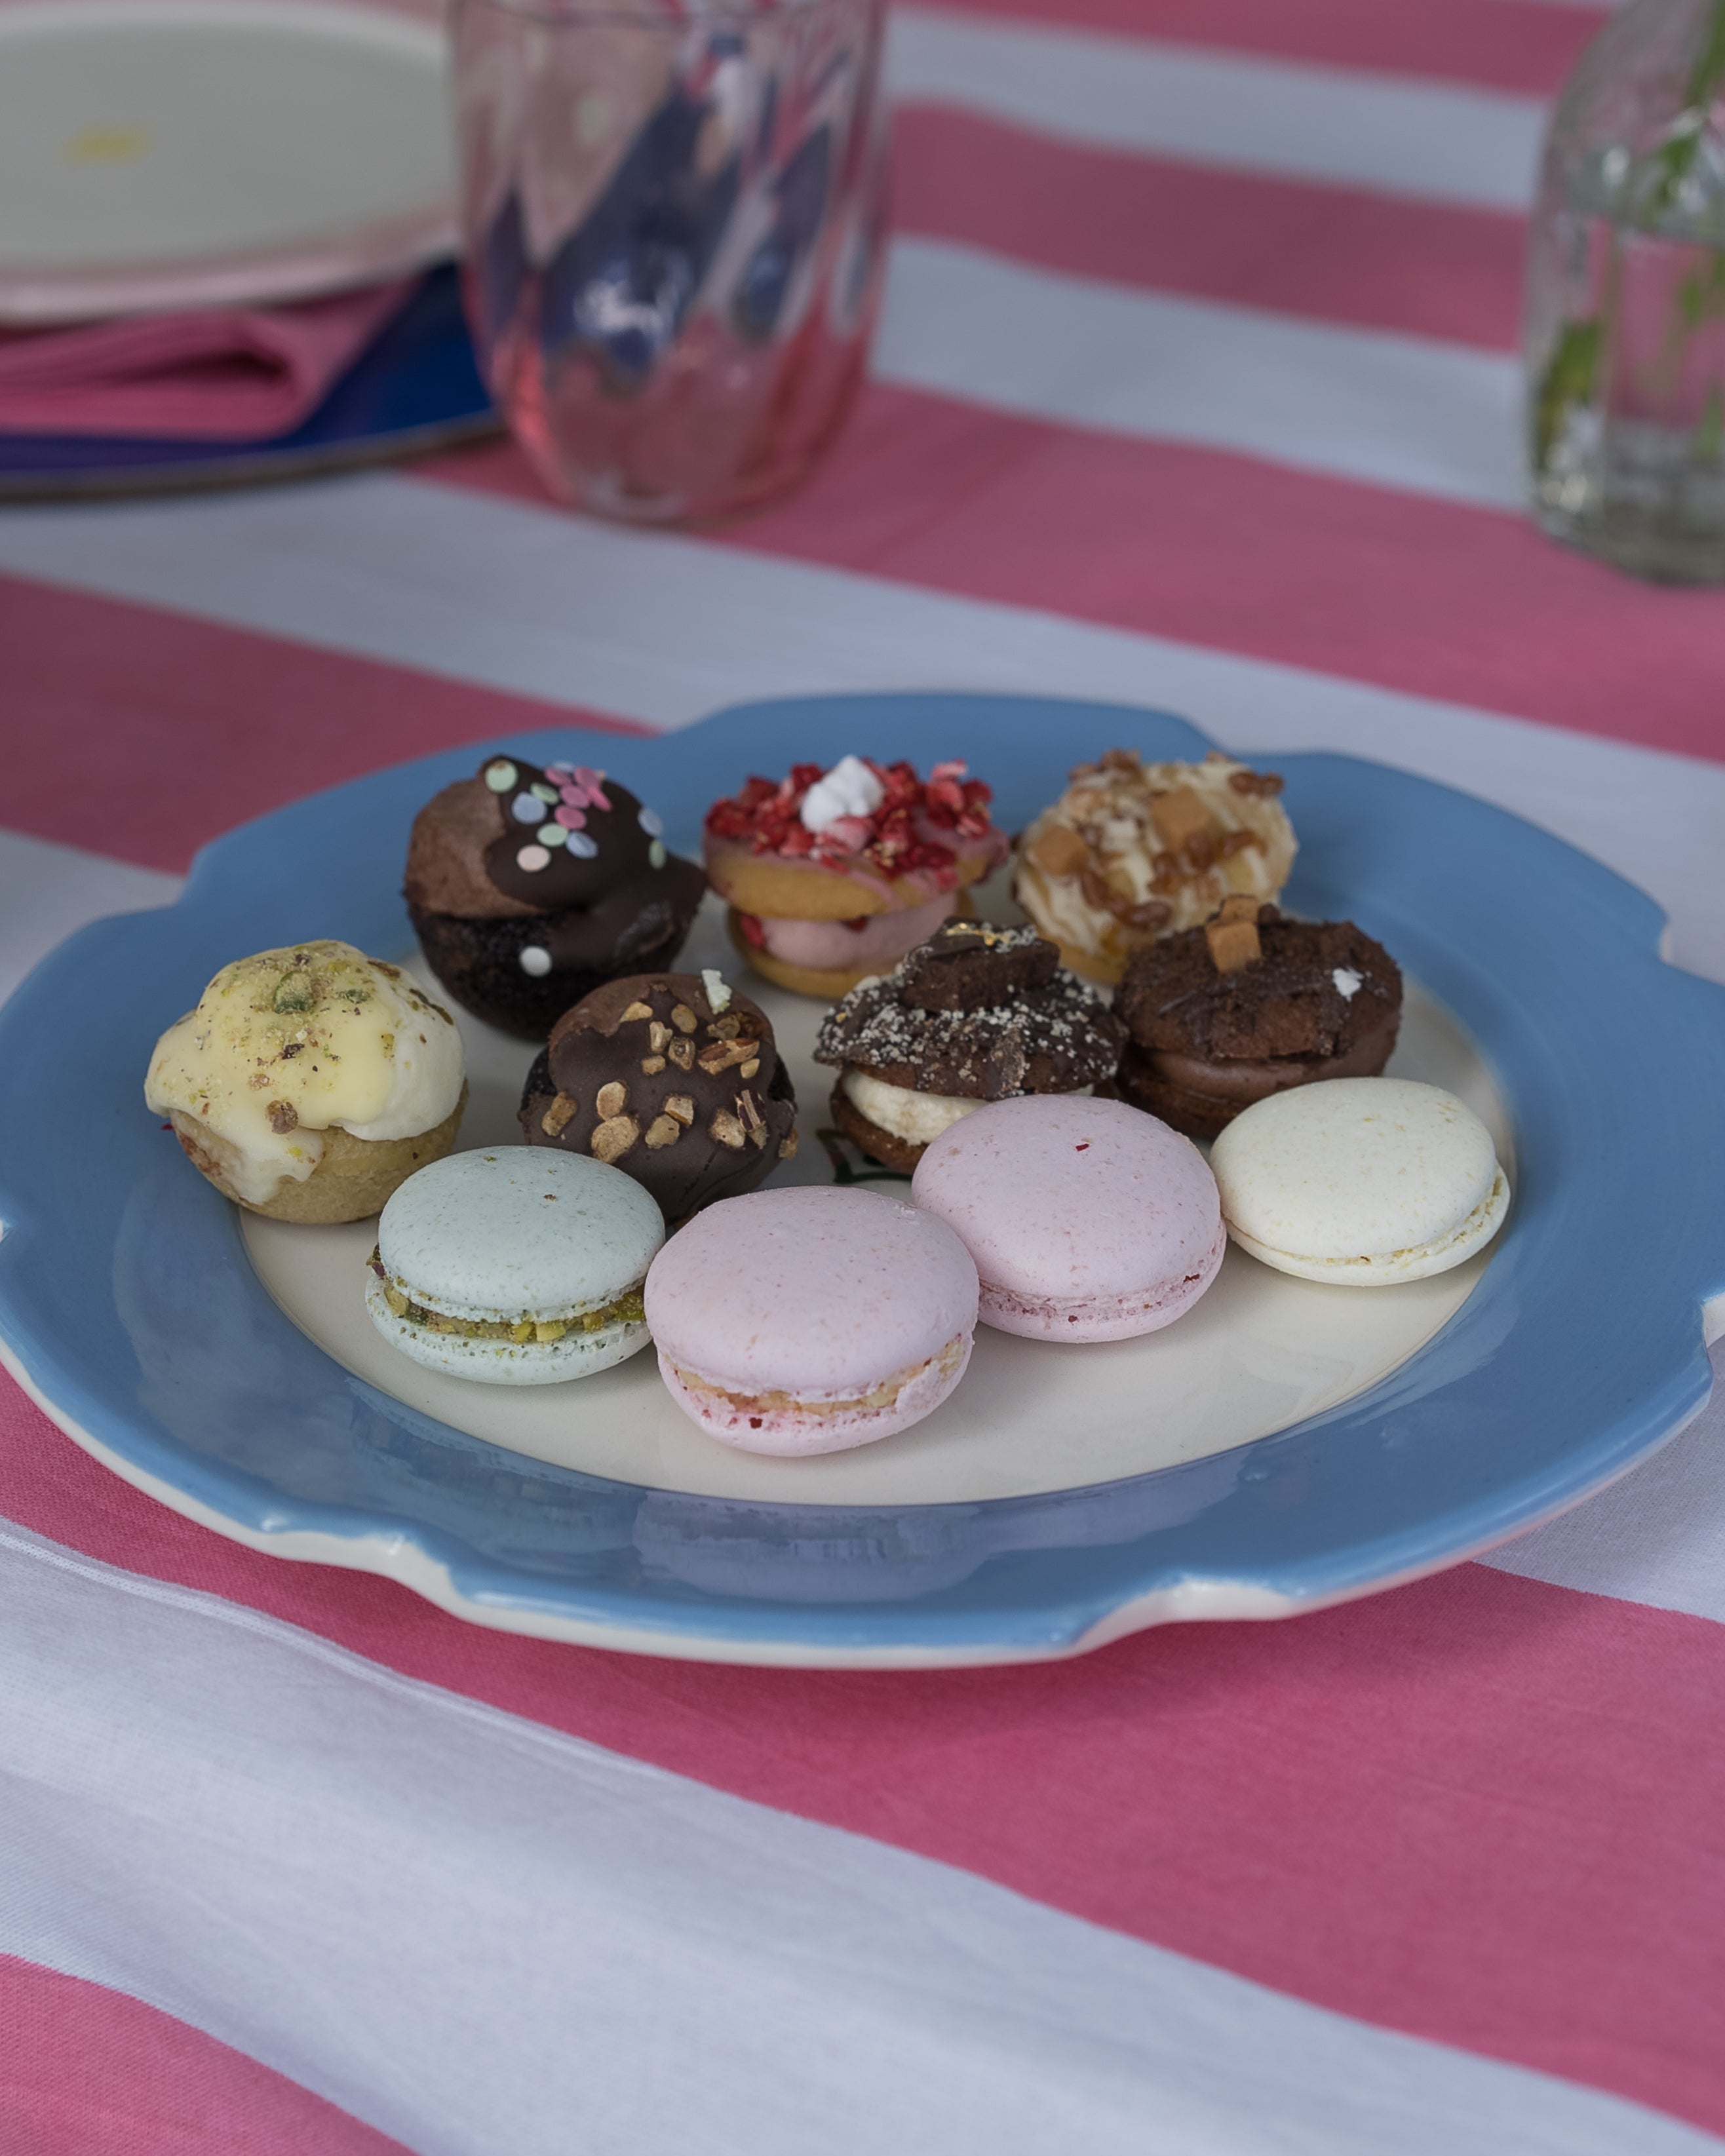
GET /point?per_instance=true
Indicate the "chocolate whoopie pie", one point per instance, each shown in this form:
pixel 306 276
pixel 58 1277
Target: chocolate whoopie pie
pixel 1249 1005
pixel 674 1078
pixel 974 1014
pixel 528 888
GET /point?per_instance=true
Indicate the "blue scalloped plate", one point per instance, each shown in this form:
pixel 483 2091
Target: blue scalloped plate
pixel 130 1310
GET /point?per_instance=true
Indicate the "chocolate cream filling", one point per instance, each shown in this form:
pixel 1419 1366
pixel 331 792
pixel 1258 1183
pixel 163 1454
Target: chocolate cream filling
pixel 1248 1081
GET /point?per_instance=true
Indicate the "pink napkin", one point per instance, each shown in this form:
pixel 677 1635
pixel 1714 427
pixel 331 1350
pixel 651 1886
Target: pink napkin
pixel 228 375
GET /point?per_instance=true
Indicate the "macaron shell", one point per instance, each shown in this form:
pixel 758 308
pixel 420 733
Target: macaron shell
pixel 1088 1219
pixel 1365 1180
pixel 814 1291
pixel 505 1361
pixel 520 1230
pixel 1102 1317
pixel 791 1433
pixel 1419 1263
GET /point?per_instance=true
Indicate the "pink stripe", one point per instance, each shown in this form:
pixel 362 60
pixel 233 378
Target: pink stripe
pixel 1328 253
pixel 1502 44
pixel 87 2072
pixel 1481 1809
pixel 122 733
pixel 1464 604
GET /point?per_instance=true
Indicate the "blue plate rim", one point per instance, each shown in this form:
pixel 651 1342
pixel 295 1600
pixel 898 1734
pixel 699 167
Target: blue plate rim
pixel 1564 1368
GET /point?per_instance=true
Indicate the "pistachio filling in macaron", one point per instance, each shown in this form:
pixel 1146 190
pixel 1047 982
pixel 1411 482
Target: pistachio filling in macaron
pixel 627 1310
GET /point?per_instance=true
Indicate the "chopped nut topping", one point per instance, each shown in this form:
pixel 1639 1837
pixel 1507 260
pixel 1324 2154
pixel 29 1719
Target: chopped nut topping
pixel 682 1054
pixel 610 1100
pixel 683 1018
pixel 559 1114
pixel 614 1136
pixel 1238 905
pixel 725 1028
pixel 787 1147
pixel 284 1117
pixel 1236 842
pixel 651 1065
pixel 1265 784
pixel 749 1110
pixel 751 1069
pixel 725 1054
pixel 1060 852
pixel 682 1106
pixel 725 1128
pixel 658 1037
pixel 1180 817
pixel 1121 759
pixel 664 1131
pixel 636 1010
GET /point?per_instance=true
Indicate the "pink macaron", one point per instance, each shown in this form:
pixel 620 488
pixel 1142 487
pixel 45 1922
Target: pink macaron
pixel 811 1320
pixel 1087 1219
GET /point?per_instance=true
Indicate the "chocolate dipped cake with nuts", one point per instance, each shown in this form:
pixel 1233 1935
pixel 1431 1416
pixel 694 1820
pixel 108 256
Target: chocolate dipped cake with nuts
pixel 975 1015
pixel 528 887
pixel 674 1078
pixel 1249 1005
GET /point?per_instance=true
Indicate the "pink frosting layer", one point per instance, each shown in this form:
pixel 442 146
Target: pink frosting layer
pixel 878 941
pixel 790 1432
pixel 1074 1207
pixel 812 1291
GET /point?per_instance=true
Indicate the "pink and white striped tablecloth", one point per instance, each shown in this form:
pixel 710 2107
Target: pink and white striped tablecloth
pixel 1197 389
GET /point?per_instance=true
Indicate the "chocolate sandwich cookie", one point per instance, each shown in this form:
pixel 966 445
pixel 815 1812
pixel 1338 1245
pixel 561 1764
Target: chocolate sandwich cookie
pixel 1249 1005
pixel 527 888
pixel 674 1078
pixel 975 1015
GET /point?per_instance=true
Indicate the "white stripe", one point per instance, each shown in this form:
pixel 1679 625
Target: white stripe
pixel 1287 119
pixel 478 1935
pixel 1658 1538
pixel 46 891
pixel 1368 405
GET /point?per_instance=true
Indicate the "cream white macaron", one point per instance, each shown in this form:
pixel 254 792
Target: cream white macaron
pixel 1363 1181
pixel 517 1267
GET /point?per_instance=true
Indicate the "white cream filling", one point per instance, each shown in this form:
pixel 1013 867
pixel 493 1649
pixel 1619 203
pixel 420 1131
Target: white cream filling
pixel 917 1118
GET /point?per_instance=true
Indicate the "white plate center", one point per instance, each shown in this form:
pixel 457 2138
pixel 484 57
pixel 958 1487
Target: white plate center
pixel 1259 1351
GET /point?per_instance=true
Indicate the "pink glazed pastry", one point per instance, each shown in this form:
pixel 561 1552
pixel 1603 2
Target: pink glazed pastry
pixel 1087 1219
pixel 811 1320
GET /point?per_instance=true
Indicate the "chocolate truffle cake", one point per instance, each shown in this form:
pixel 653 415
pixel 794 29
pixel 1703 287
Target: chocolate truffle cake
pixel 975 1015
pixel 674 1078
pixel 529 887
pixel 1249 1005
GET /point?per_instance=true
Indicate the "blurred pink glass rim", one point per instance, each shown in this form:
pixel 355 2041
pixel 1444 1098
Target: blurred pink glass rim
pixel 674 220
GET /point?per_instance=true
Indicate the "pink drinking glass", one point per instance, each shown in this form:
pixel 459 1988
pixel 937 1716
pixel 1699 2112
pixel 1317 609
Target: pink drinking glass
pixel 674 224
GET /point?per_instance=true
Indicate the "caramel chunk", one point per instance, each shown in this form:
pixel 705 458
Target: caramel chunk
pixel 682 1106
pixel 664 1131
pixel 1060 852
pixel 1180 816
pixel 683 1018
pixel 1234 944
pixel 636 1010
pixel 610 1100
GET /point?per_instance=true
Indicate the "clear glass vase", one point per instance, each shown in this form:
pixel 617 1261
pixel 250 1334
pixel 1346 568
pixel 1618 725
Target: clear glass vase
pixel 675 217
pixel 1624 322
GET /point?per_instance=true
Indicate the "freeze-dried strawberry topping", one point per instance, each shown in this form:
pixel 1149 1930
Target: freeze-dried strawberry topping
pixel 917 828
